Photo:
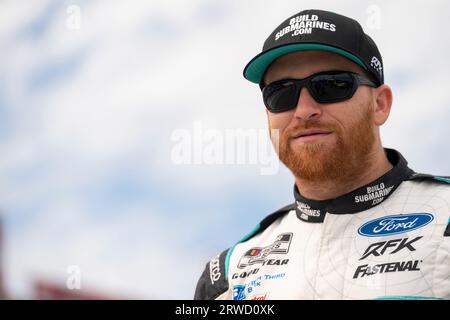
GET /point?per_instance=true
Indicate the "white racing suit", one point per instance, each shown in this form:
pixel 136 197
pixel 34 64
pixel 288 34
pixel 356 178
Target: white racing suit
pixel 389 239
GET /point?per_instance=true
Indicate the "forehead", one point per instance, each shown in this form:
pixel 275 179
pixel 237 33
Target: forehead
pixel 304 63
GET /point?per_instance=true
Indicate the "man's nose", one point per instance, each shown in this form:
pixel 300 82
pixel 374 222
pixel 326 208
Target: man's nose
pixel 307 107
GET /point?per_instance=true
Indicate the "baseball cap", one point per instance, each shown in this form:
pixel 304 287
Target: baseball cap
pixel 318 30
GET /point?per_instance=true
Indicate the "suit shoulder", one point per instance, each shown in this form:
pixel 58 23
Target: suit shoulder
pixel 437 179
pixel 268 220
pixel 214 280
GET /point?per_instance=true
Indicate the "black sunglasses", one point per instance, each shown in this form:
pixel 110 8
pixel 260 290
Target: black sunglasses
pixel 324 87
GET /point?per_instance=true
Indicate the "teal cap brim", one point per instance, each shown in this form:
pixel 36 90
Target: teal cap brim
pixel 255 69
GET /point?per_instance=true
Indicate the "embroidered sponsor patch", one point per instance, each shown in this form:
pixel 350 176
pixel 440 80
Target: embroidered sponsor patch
pixel 395 224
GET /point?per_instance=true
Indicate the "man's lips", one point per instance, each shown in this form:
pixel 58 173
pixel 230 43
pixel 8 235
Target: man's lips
pixel 311 133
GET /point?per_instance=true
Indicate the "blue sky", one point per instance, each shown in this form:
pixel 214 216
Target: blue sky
pixel 87 115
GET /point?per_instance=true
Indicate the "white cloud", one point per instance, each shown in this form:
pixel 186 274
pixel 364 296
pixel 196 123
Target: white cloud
pixel 137 253
pixel 145 70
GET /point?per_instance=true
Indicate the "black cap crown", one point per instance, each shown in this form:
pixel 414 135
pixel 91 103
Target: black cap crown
pixel 318 30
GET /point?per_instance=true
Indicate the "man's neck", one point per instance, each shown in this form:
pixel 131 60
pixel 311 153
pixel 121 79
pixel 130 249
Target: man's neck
pixel 324 190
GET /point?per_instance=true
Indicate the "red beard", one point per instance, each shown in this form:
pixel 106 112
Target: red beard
pixel 322 161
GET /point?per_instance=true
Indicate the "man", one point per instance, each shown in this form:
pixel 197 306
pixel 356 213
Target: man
pixel 363 224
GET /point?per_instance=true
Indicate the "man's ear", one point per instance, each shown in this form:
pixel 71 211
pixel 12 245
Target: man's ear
pixel 383 98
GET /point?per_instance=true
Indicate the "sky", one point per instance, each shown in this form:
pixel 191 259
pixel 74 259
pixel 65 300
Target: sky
pixel 96 98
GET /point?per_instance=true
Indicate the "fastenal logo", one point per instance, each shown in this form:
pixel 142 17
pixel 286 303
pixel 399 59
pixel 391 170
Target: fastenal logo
pixel 395 224
pixel 401 266
pixel 261 255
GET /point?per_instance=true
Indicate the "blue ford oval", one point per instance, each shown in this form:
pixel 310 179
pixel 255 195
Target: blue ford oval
pixel 395 224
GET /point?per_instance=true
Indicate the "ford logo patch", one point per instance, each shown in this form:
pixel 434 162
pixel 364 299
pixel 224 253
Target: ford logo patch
pixel 395 224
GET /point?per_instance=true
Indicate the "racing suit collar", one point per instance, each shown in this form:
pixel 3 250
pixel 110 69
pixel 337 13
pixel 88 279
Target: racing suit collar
pixel 360 199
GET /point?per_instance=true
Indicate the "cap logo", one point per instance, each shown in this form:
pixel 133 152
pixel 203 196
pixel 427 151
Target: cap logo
pixel 376 64
pixel 304 24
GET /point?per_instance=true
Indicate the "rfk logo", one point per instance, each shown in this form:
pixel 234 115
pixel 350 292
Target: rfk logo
pixel 380 248
pixel 376 64
pixel 261 254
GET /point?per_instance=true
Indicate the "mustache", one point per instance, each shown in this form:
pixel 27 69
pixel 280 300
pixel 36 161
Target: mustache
pixel 311 124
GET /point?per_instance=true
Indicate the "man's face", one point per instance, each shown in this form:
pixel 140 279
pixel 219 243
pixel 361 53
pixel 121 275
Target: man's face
pixel 346 129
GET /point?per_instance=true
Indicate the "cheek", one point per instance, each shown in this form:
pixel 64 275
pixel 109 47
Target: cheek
pixel 347 114
pixel 358 118
pixel 279 120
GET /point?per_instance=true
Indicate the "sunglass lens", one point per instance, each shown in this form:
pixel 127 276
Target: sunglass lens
pixel 281 97
pixel 332 88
